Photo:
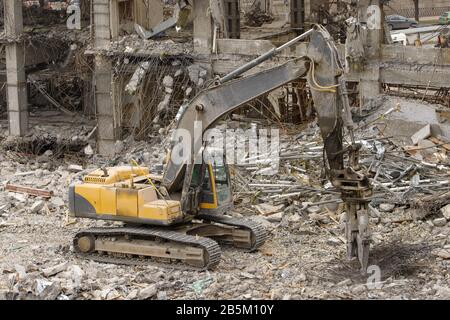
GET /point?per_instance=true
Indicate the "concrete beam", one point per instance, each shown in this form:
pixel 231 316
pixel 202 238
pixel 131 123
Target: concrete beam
pixel 404 65
pixel 415 55
pixel 243 47
pixel 427 76
pixel 15 70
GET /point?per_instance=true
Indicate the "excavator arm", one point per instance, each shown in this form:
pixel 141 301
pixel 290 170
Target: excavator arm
pixel 212 104
pixel 324 74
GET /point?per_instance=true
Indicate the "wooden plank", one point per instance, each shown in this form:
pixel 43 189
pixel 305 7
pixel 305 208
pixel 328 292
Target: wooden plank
pixel 438 142
pixel 31 191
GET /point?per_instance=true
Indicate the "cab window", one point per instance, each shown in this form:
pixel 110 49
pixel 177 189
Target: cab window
pixel 207 180
pixel 223 190
pixel 196 177
pixel 220 175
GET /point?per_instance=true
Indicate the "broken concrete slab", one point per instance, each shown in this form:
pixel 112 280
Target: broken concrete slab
pixel 162 295
pixel 446 212
pixel 442 253
pixel 75 168
pixel 21 271
pixel 294 218
pixel 178 73
pixel 203 73
pixel 37 206
pixel 188 92
pixel 334 241
pixel 313 209
pixel 148 292
pixel 38 173
pixel 137 77
pixel 193 72
pixel 387 207
pixel 51 271
pixel 47 290
pixel 322 218
pixel 168 81
pixel 133 294
pixel 440 222
pixel 413 116
pixel 422 134
pixel 40 285
pixel 76 275
pixel 267 209
pixel 345 283
pixel 276 217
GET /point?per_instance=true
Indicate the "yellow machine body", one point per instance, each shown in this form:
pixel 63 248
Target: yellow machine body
pixel 113 194
pixel 125 194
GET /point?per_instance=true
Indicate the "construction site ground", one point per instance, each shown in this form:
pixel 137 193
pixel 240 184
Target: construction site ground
pixel 300 261
pixel 304 257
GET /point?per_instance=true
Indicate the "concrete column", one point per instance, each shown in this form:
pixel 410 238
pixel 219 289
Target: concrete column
pixel 203 27
pixel 114 18
pixel 297 15
pixel 371 13
pixel 107 130
pixel 15 70
pixel 102 18
pixel 232 18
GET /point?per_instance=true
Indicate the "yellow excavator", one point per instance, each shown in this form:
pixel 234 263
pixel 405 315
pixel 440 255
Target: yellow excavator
pixel 181 215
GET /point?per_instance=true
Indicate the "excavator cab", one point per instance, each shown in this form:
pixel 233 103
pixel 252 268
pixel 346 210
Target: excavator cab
pixel 212 178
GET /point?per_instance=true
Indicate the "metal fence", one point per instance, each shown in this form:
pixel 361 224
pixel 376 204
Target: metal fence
pixel 423 12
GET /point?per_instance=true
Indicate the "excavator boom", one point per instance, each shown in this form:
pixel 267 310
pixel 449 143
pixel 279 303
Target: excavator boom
pixel 212 104
pixel 324 73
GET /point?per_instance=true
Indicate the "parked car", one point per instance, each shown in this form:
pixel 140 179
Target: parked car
pixel 445 18
pixel 399 22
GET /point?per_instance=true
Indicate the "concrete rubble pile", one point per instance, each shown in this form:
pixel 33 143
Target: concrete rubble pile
pixel 410 174
pixel 404 176
pixel 134 44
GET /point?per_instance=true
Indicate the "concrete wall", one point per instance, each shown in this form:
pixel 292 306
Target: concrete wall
pixel 280 9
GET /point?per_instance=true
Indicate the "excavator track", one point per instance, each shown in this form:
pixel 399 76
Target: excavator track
pixel 258 232
pixel 115 245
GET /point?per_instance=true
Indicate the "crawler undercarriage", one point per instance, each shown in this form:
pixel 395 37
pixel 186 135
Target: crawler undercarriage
pixel 196 244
